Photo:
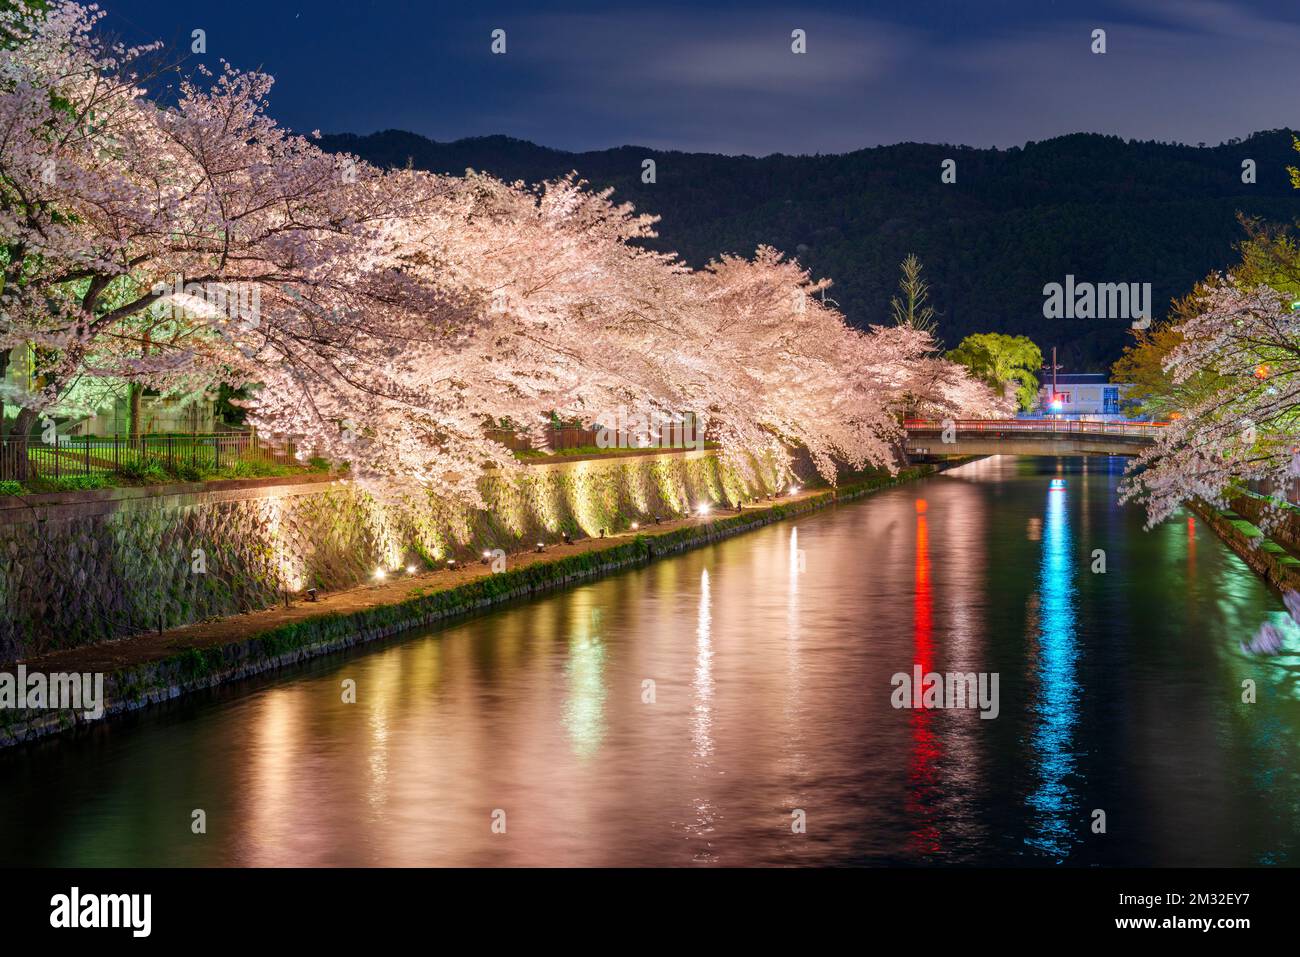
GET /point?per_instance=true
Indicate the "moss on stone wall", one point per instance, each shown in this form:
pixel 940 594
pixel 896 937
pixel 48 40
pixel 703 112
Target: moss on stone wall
pixel 153 562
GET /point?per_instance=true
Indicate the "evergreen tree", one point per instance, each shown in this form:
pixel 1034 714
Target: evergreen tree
pixel 912 308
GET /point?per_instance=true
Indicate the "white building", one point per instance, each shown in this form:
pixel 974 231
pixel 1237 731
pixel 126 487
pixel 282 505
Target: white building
pixel 1082 396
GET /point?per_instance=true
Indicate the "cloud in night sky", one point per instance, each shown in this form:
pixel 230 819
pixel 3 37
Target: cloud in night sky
pixel 591 75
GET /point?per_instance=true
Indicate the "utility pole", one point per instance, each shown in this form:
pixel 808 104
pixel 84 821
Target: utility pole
pixel 1052 369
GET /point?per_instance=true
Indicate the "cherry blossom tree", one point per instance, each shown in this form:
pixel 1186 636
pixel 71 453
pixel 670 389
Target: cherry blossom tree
pixel 1244 430
pixel 785 368
pixel 113 207
pixel 566 315
pixel 391 319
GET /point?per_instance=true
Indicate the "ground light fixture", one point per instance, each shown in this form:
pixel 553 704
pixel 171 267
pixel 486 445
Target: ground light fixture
pixel 487 557
pixel 410 569
pixel 568 540
pixel 635 526
pixel 380 574
pixel 541 547
pixel 704 508
pixel 451 564
pixel 311 594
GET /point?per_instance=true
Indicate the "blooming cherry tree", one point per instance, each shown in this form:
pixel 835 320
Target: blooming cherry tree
pixel 393 319
pixel 110 203
pixel 1244 430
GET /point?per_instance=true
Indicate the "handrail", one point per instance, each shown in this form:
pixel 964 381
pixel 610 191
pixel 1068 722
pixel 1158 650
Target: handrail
pixel 1055 426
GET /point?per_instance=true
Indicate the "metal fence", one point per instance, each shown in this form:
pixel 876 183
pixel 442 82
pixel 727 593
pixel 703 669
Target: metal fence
pixel 80 455
pixel 84 455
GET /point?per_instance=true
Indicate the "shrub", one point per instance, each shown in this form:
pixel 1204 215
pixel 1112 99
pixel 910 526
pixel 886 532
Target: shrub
pixel 143 472
pixel 186 472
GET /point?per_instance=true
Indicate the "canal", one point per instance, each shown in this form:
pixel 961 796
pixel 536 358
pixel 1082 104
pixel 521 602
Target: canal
pixel 735 706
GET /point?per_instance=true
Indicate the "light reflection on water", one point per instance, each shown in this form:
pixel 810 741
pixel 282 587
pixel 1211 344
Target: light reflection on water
pixel 771 656
pixel 1054 802
pixel 702 727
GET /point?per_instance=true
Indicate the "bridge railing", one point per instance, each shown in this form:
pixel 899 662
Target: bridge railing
pixel 1036 426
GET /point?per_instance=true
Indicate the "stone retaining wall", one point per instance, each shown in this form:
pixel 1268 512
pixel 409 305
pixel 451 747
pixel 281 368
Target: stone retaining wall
pixel 83 567
pixel 1285 529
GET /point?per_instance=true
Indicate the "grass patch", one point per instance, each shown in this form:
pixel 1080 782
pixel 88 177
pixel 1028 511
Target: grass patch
pixel 157 472
pixel 64 483
pixel 255 470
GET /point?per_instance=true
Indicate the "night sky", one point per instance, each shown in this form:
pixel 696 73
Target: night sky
pixel 589 75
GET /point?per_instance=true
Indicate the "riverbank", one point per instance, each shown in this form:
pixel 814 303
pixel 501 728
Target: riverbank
pixel 78 569
pixel 152 668
pixel 1268 559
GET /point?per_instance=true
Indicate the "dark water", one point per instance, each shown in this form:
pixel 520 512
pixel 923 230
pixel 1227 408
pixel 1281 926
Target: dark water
pixel 771 656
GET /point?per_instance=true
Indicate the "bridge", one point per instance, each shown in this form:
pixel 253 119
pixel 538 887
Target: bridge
pixel 928 438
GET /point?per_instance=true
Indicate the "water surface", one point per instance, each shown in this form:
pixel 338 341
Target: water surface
pixel 771 657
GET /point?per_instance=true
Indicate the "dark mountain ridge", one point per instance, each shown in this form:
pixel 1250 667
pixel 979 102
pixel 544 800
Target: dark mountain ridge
pixel 1101 208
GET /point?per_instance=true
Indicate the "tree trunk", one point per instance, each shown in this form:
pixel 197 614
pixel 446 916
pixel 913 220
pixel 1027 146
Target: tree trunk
pixel 4 371
pixel 134 390
pixel 16 464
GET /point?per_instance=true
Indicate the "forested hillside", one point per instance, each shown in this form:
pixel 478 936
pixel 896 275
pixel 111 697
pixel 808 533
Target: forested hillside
pixel 1104 209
